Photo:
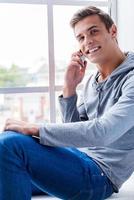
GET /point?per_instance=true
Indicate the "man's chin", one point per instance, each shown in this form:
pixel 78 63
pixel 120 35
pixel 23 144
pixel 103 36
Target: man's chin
pixel 94 60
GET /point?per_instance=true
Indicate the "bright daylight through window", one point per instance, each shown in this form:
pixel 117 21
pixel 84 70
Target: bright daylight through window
pixel 36 42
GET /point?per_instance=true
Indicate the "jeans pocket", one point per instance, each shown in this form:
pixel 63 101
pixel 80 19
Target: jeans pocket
pixel 82 195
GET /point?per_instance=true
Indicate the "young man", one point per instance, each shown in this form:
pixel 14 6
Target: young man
pixel 102 126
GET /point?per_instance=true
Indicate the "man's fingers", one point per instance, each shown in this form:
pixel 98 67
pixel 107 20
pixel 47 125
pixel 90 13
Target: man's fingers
pixel 75 54
pixel 13 121
pixel 14 125
pixel 76 64
pixel 12 128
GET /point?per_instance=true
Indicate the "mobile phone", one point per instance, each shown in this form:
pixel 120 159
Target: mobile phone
pixel 82 58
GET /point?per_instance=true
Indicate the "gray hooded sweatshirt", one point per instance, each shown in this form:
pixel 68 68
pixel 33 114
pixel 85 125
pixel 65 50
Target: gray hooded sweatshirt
pixel 103 122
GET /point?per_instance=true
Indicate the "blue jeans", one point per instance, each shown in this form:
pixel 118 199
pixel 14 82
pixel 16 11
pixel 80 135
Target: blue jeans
pixel 66 173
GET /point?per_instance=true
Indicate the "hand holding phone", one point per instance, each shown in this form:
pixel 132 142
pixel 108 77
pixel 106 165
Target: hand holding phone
pixel 74 74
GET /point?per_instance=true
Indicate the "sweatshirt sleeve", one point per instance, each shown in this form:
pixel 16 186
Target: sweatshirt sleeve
pixel 97 132
pixel 70 111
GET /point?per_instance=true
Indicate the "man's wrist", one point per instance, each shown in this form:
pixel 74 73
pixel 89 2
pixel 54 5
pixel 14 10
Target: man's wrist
pixel 35 130
pixel 68 92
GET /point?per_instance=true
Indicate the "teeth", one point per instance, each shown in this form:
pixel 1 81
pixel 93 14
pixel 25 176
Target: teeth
pixel 93 50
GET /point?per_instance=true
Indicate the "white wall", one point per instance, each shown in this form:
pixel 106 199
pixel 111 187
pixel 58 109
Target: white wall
pixel 125 10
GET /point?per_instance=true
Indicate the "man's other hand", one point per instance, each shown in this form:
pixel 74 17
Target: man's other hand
pixel 22 127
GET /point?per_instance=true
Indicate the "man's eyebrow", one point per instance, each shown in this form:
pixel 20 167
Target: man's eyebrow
pixel 88 29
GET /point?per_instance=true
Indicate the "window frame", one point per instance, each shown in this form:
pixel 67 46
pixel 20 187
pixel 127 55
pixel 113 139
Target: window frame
pixel 52 88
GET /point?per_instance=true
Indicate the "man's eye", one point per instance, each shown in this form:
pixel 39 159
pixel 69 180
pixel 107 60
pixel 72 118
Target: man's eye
pixel 94 31
pixel 80 39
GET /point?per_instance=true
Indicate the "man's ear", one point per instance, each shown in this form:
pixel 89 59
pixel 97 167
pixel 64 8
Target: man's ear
pixel 113 31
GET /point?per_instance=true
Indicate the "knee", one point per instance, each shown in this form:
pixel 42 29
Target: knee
pixel 10 150
pixel 8 136
pixel 9 140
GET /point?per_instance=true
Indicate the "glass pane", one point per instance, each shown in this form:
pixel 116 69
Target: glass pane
pixel 58 113
pixel 31 107
pixel 23 45
pixel 65 42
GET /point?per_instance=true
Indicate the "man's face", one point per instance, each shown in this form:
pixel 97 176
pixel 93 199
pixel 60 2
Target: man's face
pixel 95 41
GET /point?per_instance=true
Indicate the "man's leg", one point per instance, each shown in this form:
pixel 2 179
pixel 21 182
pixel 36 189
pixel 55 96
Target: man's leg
pixel 36 191
pixel 62 172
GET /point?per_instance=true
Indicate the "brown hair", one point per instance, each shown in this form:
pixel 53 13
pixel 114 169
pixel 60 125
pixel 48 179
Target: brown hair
pixel 91 10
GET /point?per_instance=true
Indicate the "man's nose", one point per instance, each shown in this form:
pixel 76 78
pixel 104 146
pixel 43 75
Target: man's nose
pixel 88 40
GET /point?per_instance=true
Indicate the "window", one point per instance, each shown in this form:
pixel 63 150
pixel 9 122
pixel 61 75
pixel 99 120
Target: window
pixel 36 42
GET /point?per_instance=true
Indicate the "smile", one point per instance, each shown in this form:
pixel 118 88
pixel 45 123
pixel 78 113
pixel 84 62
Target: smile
pixel 90 51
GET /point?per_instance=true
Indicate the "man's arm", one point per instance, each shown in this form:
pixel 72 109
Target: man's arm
pixel 68 101
pixel 98 132
pixel 70 111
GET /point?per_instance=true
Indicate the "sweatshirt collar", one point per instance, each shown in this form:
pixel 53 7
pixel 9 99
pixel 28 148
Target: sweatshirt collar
pixel 126 66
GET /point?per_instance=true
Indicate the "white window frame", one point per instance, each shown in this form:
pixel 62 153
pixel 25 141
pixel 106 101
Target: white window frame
pixel 52 88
